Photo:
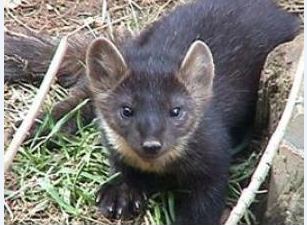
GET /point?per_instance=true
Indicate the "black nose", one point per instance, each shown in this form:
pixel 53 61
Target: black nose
pixel 151 147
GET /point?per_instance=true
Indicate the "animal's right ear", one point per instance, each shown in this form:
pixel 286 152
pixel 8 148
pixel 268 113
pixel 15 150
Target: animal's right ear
pixel 105 64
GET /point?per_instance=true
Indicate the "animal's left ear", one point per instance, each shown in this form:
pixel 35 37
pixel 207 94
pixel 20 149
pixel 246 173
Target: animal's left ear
pixel 197 68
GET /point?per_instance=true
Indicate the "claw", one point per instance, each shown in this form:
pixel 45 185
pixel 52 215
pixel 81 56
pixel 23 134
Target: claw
pixel 98 198
pixel 110 209
pixel 137 205
pixel 119 201
pixel 119 213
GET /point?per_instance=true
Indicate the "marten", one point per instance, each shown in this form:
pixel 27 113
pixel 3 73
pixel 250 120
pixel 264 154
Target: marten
pixel 174 100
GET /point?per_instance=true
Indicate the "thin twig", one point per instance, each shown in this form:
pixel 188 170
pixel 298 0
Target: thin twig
pixel 91 20
pixel 113 22
pixel 8 208
pixel 37 102
pixel 134 15
pixel 86 24
pixel 104 10
pixel 23 24
pixel 249 193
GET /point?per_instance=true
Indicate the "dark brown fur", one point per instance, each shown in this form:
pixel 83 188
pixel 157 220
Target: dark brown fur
pixel 162 69
pixel 204 58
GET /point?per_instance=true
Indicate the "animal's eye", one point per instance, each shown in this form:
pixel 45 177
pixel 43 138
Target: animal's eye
pixel 175 112
pixel 126 112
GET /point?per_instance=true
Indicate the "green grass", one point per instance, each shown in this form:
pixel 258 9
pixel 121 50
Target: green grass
pixel 55 178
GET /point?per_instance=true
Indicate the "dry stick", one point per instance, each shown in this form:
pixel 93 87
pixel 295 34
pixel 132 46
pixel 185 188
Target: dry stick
pixel 104 10
pixel 86 24
pixel 92 20
pixel 249 193
pixel 23 24
pixel 37 102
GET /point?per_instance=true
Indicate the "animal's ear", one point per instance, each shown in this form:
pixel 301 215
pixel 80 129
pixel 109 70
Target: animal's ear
pixel 105 64
pixel 197 68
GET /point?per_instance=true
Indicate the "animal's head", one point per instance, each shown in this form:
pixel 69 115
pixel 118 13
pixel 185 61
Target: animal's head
pixel 148 114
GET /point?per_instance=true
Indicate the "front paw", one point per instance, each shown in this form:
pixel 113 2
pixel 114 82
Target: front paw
pixel 119 201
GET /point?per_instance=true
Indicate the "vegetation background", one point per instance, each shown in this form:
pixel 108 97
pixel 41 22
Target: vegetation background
pixel 54 178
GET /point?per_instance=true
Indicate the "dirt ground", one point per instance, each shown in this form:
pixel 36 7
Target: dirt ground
pixel 59 17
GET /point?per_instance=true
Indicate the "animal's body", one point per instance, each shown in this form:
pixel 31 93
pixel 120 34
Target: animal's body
pixel 174 100
pixel 137 87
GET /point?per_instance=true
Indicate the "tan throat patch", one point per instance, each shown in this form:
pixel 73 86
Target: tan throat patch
pixel 133 159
